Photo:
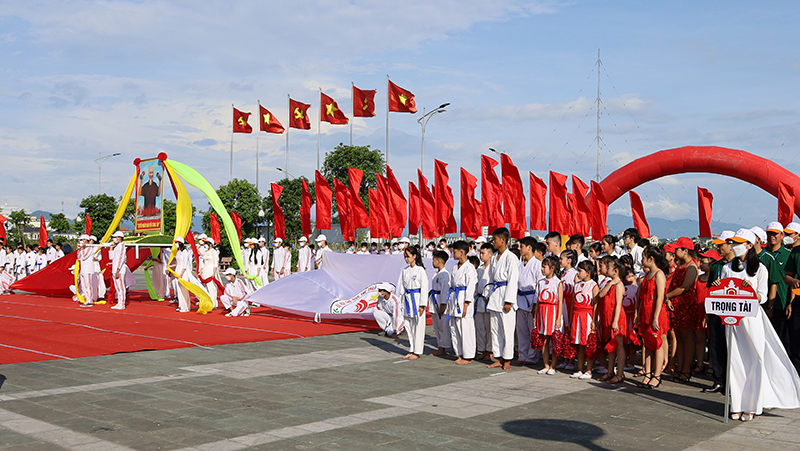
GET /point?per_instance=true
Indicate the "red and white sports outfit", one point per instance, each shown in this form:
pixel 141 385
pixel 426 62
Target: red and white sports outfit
pixel 582 312
pixel 547 315
pixel 568 279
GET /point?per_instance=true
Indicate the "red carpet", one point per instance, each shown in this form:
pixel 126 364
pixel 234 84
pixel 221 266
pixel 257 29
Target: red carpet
pixel 36 328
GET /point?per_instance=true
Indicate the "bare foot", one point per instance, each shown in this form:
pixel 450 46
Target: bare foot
pixel 464 362
pixel 507 366
pixel 408 356
pixel 458 361
pixel 413 357
pixel 439 352
pixel 496 364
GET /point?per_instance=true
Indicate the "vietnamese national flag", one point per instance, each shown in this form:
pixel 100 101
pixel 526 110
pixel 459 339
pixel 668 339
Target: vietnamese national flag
pixel 280 225
pixel 413 209
pixel 343 205
pixel 470 213
pixel 363 103
pixel 785 203
pixel 427 208
pixel 599 212
pixel 324 201
pixel 269 123
pixel 214 228
pixel 240 124
pixel 305 210
pixel 538 203
pixel 88 226
pixel 298 115
pixel 491 195
pixel 398 212
pixel 330 112
pixel 639 220
pixel 582 211
pixel 3 235
pixel 513 198
pixel 237 222
pixel 400 100
pixel 559 215
pixel 704 203
pixel 358 212
pixel 42 232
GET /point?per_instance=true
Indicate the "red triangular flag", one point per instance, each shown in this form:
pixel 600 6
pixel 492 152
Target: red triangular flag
pixel 599 212
pixel 491 195
pixel 538 203
pixel 305 210
pixel 704 202
pixel 269 123
pixel 358 212
pixel 278 222
pixel 214 228
pixel 398 212
pixel 785 203
pixel 237 222
pixel 639 220
pixel 513 198
pixel 363 103
pixel 427 208
pixel 583 210
pixel 330 112
pixel 470 214
pixel 324 201
pixel 88 226
pixel 298 115
pixel 42 232
pixel 413 209
pixel 343 205
pixel 400 100
pixel 240 124
pixel 559 216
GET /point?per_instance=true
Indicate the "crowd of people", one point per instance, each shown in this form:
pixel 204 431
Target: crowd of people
pixel 24 261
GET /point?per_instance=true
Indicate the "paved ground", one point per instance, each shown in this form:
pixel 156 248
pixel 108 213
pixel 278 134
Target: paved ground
pixel 352 392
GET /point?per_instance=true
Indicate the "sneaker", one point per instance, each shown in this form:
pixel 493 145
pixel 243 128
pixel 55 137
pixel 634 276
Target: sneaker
pixel 246 311
pixel 551 372
pixel 228 315
pixel 561 365
pixel 569 367
pixel 543 371
pixel 585 376
pixel 601 370
pixel 87 304
pixel 118 307
pixel 576 375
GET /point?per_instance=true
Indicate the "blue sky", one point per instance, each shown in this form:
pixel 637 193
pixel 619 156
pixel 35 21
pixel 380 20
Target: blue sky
pixel 146 77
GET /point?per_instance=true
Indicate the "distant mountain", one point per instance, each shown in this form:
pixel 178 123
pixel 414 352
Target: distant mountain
pixel 664 228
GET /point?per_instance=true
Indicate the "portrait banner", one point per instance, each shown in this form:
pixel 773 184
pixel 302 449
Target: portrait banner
pixel 149 196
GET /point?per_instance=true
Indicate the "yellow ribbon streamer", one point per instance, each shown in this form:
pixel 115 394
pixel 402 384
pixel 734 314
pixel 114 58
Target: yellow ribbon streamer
pixel 78 294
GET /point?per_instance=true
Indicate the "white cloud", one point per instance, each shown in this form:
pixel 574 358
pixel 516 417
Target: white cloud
pixel 667 208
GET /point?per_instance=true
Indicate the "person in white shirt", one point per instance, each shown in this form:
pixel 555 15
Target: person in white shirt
pixel 402 245
pixel 553 242
pixel 576 243
pixel 184 270
pixel 59 251
pixel 304 260
pixel 99 280
pixel 530 273
pixel 322 243
pixel 119 270
pixel 287 259
pixel 20 263
pixel 364 249
pixel 607 243
pixel 388 313
pixel 504 269
pixel 631 239
pixel 279 259
pixel 254 264
pixel 41 259
pixel 483 327
pixel 412 289
pixel 428 252
pixel 30 260
pixel 461 305
pixel 86 274
pixel 235 296
pixel 263 256
pixel 437 298
pixel 51 252
pixel 209 268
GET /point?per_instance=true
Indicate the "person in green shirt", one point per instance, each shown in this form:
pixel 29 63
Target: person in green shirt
pixel 791 241
pixel 779 309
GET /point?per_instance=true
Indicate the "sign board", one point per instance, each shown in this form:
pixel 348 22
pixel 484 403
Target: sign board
pixel 732 301
pixel 149 196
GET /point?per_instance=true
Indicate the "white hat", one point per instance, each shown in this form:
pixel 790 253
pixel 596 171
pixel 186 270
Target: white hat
pixel 775 226
pixel 179 239
pixel 230 271
pixel 480 240
pixel 303 239
pixel 202 236
pixel 118 234
pixel 793 227
pixel 760 233
pixel 277 240
pixel 93 237
pixel 386 286
pixel 723 237
pixel 405 240
pixel 744 235
pixel 321 237
pixel 262 239
pixel 83 237
pixel 211 240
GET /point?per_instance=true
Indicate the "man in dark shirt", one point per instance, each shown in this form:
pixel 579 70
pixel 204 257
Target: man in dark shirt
pixel 150 191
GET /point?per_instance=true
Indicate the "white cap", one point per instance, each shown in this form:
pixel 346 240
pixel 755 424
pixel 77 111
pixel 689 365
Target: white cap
pixel 480 240
pixel 793 227
pixel 277 240
pixel 303 239
pixel 118 234
pixel 775 226
pixel 321 237
pixel 386 286
pixel 93 237
pixel 760 233
pixel 230 271
pixel 202 236
pixel 262 239
pixel 210 240
pixel 744 235
pixel 405 240
pixel 723 237
pixel 179 239
pixel 83 237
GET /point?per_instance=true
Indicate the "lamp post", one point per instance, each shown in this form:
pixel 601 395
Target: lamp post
pixel 101 158
pixel 261 215
pixel 423 121
pixel 286 172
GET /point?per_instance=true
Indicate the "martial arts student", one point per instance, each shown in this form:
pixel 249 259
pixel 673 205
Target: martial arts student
pixel 30 260
pixel 460 305
pixel 504 270
pixel 549 310
pixel 322 242
pixel 304 260
pixel 412 289
pixel 483 326
pixel 41 259
pixel 86 274
pixel 6 280
pixel 437 298
pixel 4 250
pixel 20 263
pixel 59 251
pixel 51 252
pixel 119 269
pixel 428 252
pixel 209 268
pixel 183 267
pixel 234 297
pixel 530 273
pixel 388 313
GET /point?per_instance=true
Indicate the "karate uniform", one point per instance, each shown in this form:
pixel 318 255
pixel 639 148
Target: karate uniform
pixel 20 265
pixel 87 276
pixel 183 267
pixel 59 254
pixel 304 262
pixel 389 315
pixel 52 254
pixel 463 282
pixel 483 325
pixel 437 297
pixel 208 269
pixel 529 276
pixel 30 262
pixel 504 271
pixel 41 261
pixel 119 260
pixel 413 283
pixel 235 289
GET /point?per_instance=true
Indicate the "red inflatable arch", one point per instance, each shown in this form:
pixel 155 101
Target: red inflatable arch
pixel 717 160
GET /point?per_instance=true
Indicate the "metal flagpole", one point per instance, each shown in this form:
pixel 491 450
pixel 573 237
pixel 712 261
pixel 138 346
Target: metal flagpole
pixel 728 336
pixel 257 133
pixel 387 119
pixel 319 127
pixel 288 126
pixel 231 177
pixel 352 85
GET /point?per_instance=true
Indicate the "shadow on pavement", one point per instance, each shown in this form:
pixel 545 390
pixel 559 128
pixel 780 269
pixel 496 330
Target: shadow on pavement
pixel 565 431
pixel 390 347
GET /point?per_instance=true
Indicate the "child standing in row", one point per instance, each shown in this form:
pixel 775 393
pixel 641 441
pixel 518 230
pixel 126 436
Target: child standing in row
pixel 549 311
pixel 414 282
pixel 568 259
pixel 611 318
pixel 460 307
pixel 504 273
pixel 583 314
pixel 530 272
pixel 437 296
pixel 483 326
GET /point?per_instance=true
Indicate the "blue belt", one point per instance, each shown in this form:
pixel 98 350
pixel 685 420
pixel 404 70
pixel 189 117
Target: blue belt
pixel 526 294
pixel 496 285
pixel 432 294
pixel 411 292
pixel 456 290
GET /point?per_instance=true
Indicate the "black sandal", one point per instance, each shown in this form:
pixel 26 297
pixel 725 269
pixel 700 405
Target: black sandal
pixel 682 378
pixel 650 387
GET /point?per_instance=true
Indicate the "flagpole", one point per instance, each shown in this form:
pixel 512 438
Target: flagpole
pixel 231 177
pixel 288 126
pixel 319 127
pixel 387 119
pixel 257 133
pixel 352 85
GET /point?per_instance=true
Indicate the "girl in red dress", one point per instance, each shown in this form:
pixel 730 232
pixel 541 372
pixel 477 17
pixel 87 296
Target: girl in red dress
pixel 652 315
pixel 612 320
pixel 701 326
pixel 684 302
pixel 583 312
pixel 672 346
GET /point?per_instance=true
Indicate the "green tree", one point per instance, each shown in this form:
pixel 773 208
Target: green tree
pixel 101 208
pixel 170 217
pixel 20 219
pixel 291 201
pixel 242 197
pixel 360 157
pixel 60 223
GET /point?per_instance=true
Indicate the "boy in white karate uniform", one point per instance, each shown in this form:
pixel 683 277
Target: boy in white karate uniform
pixel 388 313
pixel 304 261
pixel 483 324
pixel 413 283
pixel 437 298
pixel 51 252
pixel 235 296
pixel 460 305
pixel 504 270
pixel 530 273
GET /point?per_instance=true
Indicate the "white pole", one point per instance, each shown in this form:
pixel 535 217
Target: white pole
pixel 231 177
pixel 353 116
pixel 319 127
pixel 728 336
pixel 257 133
pixel 288 126
pixel 387 119
pixel 422 156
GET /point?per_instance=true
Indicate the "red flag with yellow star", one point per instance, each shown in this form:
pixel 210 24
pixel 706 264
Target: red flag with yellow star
pixel 363 103
pixel 400 100
pixel 240 124
pixel 269 123
pixel 330 111
pixel 298 116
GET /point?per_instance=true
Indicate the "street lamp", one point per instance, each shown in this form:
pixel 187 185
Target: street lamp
pixel 498 153
pixel 286 172
pixel 423 121
pixel 99 162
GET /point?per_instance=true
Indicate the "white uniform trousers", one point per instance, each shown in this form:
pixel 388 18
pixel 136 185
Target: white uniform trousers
pixel 386 322
pixel 226 301
pixel 524 329
pixel 483 331
pixel 211 288
pixel 87 284
pixel 503 332
pixel 415 328
pixel 120 288
pixel 462 334
pixel 184 302
pixel 240 308
pixel 442 329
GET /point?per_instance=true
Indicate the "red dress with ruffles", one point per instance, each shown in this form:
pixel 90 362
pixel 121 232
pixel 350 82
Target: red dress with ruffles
pixel 685 305
pixel 607 305
pixel 647 307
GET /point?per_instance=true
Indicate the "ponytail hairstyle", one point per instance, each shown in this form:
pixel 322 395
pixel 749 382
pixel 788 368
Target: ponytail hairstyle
pixel 751 261
pixel 590 268
pixel 614 263
pixel 551 261
pixel 655 254
pixel 414 252
pixel 571 255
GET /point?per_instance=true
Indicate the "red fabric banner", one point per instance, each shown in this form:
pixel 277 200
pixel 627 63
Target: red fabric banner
pixel 237 221
pixel 427 208
pixel 571 215
pixel 599 212
pixel 305 210
pixel 298 115
pixel 443 198
pixel 3 234
pixel 491 195
pixel 413 209
pixel 470 213
pixel 559 215
pixel 582 211
pixel 399 210
pixel 384 212
pixel 358 212
pixel 639 220
pixel 88 227
pixel 42 232
pixel 330 112
pixel 343 205
pixel 401 100
pixel 214 228
pixel 268 122
pixel 704 208
pixel 538 203
pixel 513 198
pixel 374 207
pixel 324 201
pixel 785 203
pixel 363 102
pixel 278 222
pixel 240 124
